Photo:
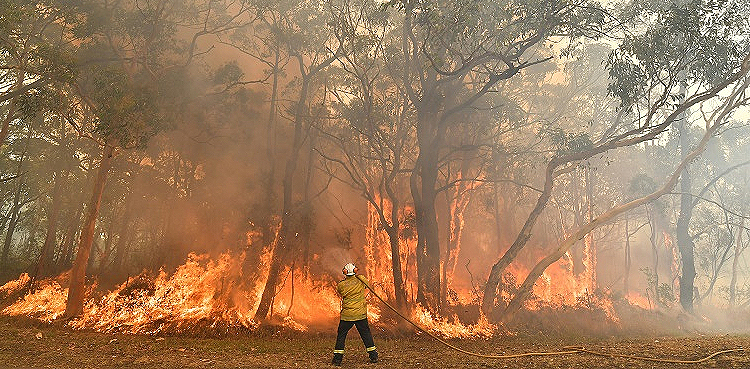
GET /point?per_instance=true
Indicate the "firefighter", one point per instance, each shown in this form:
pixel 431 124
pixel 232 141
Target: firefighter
pixel 353 312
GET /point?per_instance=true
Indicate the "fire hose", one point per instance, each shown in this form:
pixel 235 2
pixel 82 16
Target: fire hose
pixel 565 350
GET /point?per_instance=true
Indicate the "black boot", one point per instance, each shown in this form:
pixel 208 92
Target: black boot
pixel 337 359
pixel 373 356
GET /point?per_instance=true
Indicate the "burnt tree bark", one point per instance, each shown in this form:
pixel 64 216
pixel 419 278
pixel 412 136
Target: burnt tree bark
pixel 44 262
pixel 738 248
pixel 14 210
pixel 684 241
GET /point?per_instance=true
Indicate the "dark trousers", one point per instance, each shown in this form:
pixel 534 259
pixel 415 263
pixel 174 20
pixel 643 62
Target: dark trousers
pixel 364 331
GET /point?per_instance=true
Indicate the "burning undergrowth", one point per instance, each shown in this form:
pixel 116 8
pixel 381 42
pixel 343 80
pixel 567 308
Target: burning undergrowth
pixel 209 297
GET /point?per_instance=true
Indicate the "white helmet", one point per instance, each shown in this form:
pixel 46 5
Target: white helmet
pixel 349 269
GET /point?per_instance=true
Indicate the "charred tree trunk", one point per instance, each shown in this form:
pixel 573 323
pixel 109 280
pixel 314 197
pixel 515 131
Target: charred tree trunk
pixel 398 281
pixel 279 252
pixel 280 248
pixel 45 256
pixel 428 242
pixel 249 266
pixel 14 211
pixel 684 241
pixel 123 236
pixel 493 281
pixel 74 304
pixel 737 251
pixel 628 261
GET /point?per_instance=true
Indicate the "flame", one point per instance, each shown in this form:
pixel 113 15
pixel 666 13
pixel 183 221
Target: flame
pixel 639 300
pixel 313 302
pixel 453 328
pixel 15 285
pixel 47 303
pixel 207 294
pixel 198 292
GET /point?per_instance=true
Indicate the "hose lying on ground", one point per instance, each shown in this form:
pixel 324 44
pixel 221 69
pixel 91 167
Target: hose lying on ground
pixel 566 350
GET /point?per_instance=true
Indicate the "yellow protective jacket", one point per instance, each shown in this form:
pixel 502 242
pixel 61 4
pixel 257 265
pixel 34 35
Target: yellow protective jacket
pixel 353 303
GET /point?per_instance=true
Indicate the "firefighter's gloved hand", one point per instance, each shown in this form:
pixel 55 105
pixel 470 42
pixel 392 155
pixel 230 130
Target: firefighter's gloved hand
pixel 373 356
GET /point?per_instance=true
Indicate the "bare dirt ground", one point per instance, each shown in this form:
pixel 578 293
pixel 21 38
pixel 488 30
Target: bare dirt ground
pixel 31 344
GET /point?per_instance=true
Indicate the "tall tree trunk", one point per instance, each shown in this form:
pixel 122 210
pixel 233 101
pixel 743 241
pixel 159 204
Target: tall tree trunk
pixel 589 251
pixel 250 264
pixel 628 261
pixel 96 250
pixel 684 241
pixel 12 223
pixel 123 236
pixel 737 251
pixel 280 248
pixel 457 208
pixel 45 256
pixel 654 258
pixel 393 230
pixel 103 260
pixel 14 211
pixel 74 304
pixel 66 255
pixel 428 242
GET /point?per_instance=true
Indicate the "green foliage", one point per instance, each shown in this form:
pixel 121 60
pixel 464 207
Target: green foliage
pixel 662 293
pixel 642 184
pixel 568 142
pixel 454 30
pixel 693 41
pixel 125 110
pixel 228 73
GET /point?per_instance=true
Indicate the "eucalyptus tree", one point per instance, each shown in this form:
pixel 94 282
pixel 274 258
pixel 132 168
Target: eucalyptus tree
pixel 453 53
pixel 133 59
pixel 305 36
pixel 372 148
pixel 36 55
pixel 648 83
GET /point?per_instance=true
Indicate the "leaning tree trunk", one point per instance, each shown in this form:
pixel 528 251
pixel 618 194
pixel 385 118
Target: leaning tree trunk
pixel 74 304
pixel 524 291
pixel 280 247
pixel 496 273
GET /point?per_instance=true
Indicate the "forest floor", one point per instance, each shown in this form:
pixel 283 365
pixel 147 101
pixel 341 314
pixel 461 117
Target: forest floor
pixel 31 344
